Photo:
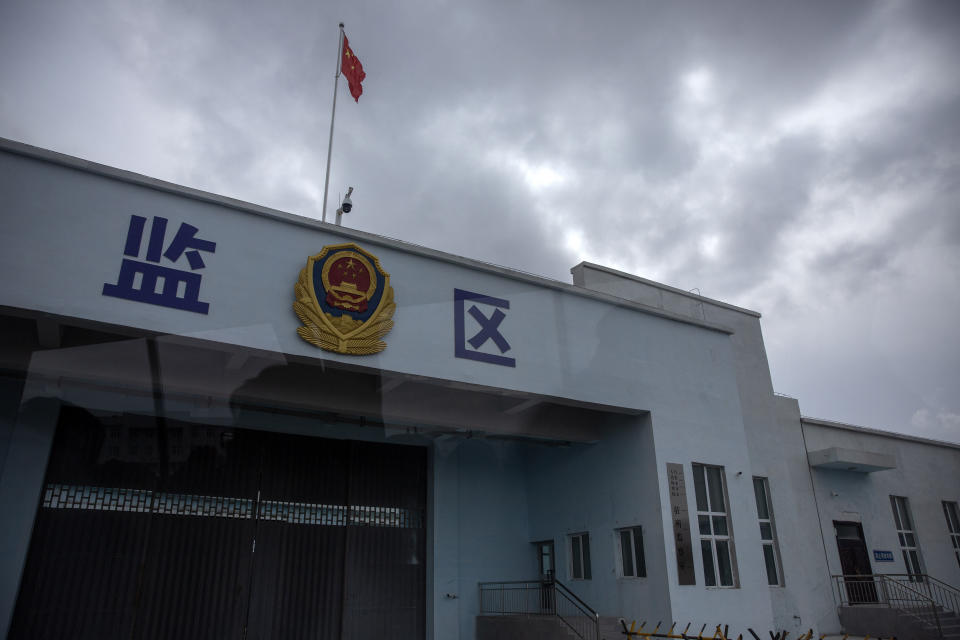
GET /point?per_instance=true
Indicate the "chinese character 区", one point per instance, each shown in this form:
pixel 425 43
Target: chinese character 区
pixel 487 325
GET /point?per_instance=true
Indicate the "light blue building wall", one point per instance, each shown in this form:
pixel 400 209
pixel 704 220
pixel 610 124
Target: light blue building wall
pixel 481 527
pixel 588 349
pixel 615 377
pixel 924 473
pixel 598 489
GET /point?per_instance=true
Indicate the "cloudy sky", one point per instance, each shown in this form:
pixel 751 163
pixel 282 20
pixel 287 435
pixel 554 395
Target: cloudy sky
pixel 797 158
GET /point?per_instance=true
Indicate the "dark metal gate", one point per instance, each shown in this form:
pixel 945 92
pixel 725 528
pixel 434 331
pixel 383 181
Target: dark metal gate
pixel 163 529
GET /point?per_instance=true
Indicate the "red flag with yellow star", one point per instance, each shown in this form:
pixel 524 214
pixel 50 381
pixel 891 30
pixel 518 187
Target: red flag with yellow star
pixel 351 68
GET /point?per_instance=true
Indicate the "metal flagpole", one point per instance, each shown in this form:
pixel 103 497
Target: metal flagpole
pixel 336 80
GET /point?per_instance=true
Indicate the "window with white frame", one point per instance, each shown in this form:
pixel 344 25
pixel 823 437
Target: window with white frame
pixel 580 556
pixel 908 538
pixel 632 562
pixel 713 520
pixel 952 514
pixel 768 531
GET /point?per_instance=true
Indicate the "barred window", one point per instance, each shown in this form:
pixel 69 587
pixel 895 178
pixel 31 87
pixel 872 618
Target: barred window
pixel 580 556
pixel 909 546
pixel 952 514
pixel 632 561
pixel 768 531
pixel 713 519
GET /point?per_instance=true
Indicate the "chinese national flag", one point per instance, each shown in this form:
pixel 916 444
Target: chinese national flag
pixel 350 67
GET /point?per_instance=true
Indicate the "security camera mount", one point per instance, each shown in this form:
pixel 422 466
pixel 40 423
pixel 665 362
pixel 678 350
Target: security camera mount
pixel 346 205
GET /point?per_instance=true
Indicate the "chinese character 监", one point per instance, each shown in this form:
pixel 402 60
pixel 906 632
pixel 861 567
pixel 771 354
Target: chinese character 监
pixel 149 281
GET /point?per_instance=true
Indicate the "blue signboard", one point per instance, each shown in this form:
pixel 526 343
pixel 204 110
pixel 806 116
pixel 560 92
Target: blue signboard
pixel 882 556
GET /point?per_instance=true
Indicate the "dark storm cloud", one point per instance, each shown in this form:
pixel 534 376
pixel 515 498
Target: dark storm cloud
pixel 853 267
pixel 466 206
pixel 774 194
pixel 798 158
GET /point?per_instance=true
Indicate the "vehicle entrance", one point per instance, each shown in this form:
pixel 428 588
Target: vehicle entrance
pixel 178 530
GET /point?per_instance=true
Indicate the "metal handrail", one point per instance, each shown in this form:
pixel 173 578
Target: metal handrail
pixel 945 585
pixel 922 577
pixel 582 606
pixel 539 597
pixel 943 593
pixel 886 590
pixel 572 596
pixel 926 600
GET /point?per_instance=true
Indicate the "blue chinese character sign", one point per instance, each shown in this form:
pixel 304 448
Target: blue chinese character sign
pixel 487 326
pixel 882 556
pixel 345 301
pixel 148 280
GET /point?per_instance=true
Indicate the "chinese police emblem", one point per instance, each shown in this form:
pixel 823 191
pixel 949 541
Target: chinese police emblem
pixel 345 301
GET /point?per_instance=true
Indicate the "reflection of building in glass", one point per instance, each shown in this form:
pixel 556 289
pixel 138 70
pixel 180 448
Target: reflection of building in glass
pixel 132 438
pixel 522 451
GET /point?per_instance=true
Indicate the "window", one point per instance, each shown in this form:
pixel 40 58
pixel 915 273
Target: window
pixel 908 538
pixel 952 513
pixel 580 556
pixel 716 543
pixel 632 563
pixel 768 532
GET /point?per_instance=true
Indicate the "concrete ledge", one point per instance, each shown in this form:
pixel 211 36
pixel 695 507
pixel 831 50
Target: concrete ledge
pixel 851 460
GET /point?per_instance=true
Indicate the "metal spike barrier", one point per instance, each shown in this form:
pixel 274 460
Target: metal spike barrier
pixel 722 632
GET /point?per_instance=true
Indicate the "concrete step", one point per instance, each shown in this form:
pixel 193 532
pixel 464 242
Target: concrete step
pixel 610 628
pixel 522 627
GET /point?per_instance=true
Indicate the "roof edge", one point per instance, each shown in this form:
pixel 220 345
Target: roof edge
pixel 73 162
pixel 820 422
pixel 666 287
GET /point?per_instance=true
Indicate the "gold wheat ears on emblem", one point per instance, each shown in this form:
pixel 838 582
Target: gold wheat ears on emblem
pixel 364 342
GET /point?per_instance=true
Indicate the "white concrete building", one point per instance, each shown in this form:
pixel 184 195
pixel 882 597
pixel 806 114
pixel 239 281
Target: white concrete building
pixel 420 445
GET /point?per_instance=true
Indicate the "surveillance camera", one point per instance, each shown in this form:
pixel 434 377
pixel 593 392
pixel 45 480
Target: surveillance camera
pixel 347 203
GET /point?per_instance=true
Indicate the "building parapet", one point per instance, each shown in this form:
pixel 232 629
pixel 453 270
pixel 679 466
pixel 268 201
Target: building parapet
pixel 819 422
pixel 44 155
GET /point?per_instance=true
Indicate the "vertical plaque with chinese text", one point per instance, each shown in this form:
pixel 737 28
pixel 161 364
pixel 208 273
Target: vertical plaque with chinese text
pixel 681 523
